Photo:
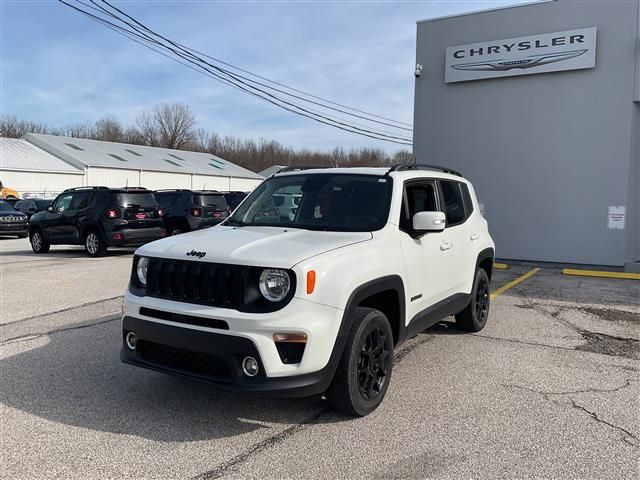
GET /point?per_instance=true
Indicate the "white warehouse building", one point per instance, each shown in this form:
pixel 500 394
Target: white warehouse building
pixel 32 171
pixel 110 164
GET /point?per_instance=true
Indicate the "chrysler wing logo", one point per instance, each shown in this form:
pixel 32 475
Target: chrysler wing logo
pixel 523 63
pixel 193 253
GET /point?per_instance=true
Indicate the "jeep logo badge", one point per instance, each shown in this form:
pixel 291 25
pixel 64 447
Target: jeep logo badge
pixel 193 253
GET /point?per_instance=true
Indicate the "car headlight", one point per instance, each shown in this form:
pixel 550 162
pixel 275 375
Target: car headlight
pixel 141 270
pixel 274 284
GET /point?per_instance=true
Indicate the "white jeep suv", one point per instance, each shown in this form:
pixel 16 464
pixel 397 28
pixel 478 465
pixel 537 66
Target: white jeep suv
pixel 313 304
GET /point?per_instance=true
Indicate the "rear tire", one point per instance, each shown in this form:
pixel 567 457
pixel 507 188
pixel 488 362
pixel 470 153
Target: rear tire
pixel 94 244
pixel 38 243
pixel 474 317
pixel 364 371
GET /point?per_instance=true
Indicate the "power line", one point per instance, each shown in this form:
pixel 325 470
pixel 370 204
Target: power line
pixel 140 35
pixel 186 48
pixel 145 38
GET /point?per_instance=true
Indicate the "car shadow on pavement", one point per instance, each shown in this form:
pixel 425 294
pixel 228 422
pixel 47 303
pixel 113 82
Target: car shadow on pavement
pixel 77 379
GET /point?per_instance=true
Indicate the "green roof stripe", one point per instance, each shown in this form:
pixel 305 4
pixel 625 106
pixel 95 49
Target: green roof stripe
pixel 172 162
pixel 117 157
pixel 133 152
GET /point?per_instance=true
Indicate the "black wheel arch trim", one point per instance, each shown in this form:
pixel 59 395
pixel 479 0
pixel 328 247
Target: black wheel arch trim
pixel 483 255
pixel 364 291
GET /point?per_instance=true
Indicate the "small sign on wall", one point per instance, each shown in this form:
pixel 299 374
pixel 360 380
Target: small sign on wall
pixel 616 217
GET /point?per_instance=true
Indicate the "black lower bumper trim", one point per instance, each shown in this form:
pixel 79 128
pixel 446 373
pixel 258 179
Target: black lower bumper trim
pixel 212 357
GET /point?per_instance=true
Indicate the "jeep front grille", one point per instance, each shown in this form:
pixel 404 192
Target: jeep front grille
pixel 197 282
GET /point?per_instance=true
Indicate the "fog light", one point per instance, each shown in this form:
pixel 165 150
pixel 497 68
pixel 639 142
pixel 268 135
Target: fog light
pixel 131 340
pixel 250 366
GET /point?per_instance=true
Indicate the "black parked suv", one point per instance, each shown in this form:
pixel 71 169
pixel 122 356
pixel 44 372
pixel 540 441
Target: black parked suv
pixel 31 206
pixel 12 222
pixel 98 217
pixel 186 210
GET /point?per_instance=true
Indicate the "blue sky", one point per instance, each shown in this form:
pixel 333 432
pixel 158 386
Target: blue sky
pixel 61 68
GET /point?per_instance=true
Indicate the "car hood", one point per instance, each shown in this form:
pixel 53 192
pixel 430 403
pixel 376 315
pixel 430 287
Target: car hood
pixel 12 213
pixel 259 246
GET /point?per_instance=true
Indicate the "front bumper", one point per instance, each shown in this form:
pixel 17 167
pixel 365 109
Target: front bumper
pixel 13 228
pixel 215 355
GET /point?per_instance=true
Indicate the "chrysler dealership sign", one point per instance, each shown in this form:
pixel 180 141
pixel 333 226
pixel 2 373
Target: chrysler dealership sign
pixel 547 52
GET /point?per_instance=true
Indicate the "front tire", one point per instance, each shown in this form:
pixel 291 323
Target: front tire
pixel 364 371
pixel 474 317
pixel 38 243
pixel 94 244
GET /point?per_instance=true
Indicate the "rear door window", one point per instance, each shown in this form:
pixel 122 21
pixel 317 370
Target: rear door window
pixel 453 203
pixel 80 200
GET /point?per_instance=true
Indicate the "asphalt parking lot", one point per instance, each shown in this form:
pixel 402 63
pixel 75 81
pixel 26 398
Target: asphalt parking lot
pixel 550 388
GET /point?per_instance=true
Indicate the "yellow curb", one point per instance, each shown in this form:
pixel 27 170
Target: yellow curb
pixel 513 283
pixel 597 273
pixel 500 266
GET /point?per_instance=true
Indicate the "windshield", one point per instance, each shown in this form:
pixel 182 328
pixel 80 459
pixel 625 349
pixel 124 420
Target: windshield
pixel 216 201
pixel 335 202
pixel 43 204
pixel 6 206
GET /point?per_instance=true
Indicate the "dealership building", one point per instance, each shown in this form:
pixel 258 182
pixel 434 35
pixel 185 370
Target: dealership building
pixel 539 106
pixel 44 165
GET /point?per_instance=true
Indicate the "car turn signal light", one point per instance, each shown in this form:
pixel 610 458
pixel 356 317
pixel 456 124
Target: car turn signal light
pixel 311 281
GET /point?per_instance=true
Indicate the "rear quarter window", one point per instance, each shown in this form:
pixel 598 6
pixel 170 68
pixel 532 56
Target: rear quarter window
pixel 468 203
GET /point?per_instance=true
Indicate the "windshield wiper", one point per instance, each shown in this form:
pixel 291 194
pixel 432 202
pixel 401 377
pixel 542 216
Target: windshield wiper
pixel 232 222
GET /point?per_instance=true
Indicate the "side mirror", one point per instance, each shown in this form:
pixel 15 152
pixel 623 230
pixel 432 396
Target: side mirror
pixel 429 222
pixel 50 209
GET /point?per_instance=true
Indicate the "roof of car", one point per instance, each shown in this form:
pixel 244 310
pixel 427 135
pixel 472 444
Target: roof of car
pixel 379 171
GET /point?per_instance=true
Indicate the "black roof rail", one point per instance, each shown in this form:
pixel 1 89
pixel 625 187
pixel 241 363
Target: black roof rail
pixel 173 190
pixel 85 188
pixel 400 167
pixel 303 167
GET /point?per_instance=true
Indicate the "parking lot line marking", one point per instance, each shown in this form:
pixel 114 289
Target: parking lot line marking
pixel 500 266
pixel 513 283
pixel 597 273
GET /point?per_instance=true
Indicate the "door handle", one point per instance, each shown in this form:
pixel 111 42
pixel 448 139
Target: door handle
pixel 445 245
pixel 474 236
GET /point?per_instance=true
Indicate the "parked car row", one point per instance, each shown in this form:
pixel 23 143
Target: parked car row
pixel 102 217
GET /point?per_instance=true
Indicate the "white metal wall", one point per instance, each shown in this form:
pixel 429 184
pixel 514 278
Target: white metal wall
pixel 112 177
pixel 40 183
pixel 159 180
pixel 207 182
pixel 244 184
pixel 116 177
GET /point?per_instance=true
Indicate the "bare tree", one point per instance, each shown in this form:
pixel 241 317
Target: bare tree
pixel 11 127
pixel 109 129
pixel 403 156
pixel 175 123
pixel 147 129
pixel 173 126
